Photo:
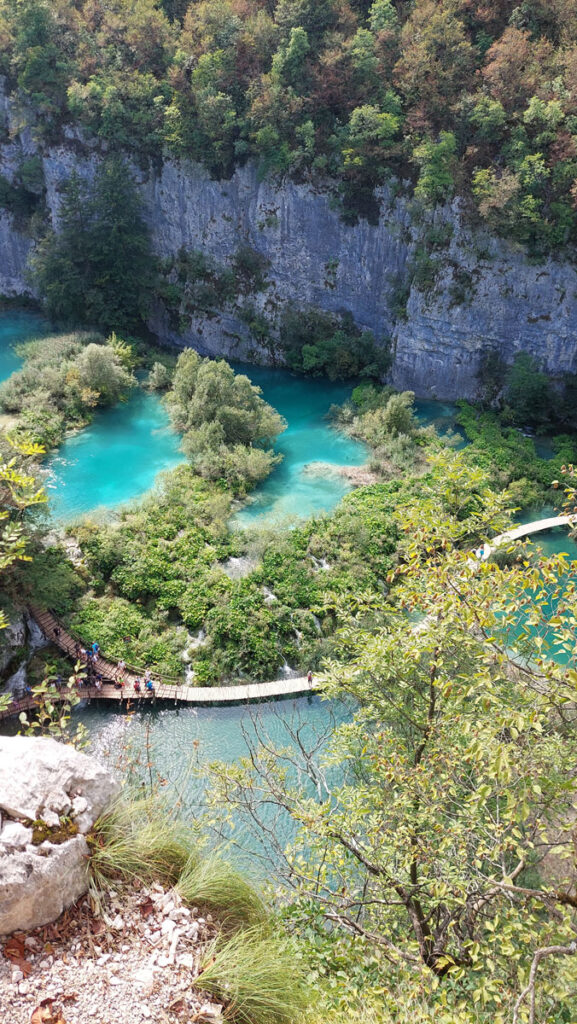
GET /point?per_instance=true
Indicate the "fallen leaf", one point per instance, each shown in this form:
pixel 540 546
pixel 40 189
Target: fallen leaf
pixel 47 1013
pixel 178 1006
pixel 146 908
pixel 14 951
pixel 97 926
pixel 14 947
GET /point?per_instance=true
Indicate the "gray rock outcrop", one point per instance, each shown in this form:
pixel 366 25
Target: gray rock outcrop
pixel 485 295
pixel 42 781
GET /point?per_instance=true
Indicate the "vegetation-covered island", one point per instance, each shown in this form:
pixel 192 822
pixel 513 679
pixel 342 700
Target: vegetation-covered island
pixel 287 353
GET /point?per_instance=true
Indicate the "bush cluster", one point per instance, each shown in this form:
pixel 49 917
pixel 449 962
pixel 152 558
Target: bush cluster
pixel 65 377
pixel 321 344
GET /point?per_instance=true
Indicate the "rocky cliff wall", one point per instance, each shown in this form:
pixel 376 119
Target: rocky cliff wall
pixel 485 294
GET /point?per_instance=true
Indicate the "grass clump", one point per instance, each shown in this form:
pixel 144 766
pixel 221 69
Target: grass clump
pixel 258 978
pixel 213 884
pixel 139 841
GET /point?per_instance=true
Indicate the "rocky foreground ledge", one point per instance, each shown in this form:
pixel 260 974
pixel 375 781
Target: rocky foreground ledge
pixel 133 956
pixel 50 797
pixel 139 962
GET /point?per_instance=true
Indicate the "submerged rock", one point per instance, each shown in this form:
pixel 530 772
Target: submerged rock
pixel 50 796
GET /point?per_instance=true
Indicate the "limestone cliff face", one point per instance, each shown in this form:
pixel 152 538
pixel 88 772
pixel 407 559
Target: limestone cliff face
pixel 485 295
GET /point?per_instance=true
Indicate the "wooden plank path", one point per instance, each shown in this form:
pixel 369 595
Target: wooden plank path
pixel 525 530
pixel 174 692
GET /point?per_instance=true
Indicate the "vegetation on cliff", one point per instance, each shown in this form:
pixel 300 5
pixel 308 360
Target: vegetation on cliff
pixel 97 269
pixel 465 97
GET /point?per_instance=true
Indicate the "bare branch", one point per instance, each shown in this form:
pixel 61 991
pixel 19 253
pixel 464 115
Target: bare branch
pixel 540 954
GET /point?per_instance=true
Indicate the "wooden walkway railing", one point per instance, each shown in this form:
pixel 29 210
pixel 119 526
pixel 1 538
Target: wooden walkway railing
pixel 173 691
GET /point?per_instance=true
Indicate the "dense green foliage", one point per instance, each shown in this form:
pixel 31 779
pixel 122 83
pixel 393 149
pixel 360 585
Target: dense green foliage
pixel 97 269
pixel 227 428
pixel 319 344
pixel 511 457
pixel 475 96
pixel 435 834
pixel 161 570
pixel 63 379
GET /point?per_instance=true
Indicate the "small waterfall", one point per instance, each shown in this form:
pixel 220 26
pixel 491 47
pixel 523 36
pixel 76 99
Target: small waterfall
pixel 36 638
pixel 237 568
pixel 320 564
pixel 287 672
pixel 17 682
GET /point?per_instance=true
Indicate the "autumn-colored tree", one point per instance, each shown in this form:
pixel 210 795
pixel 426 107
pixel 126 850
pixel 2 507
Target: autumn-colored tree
pixel 515 67
pixel 436 64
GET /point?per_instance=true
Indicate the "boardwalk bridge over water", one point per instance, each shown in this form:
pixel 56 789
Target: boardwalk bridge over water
pixel 172 691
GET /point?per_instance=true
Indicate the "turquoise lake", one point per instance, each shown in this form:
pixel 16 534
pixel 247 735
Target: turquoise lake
pixel 119 455
pixel 14 328
pixel 185 741
pixel 116 458
pixel 292 489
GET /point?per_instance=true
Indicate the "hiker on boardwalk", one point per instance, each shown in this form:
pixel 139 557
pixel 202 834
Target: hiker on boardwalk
pixel 137 685
pixel 310 678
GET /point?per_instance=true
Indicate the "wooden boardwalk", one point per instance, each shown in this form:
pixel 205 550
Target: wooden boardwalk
pixel 525 530
pixel 173 692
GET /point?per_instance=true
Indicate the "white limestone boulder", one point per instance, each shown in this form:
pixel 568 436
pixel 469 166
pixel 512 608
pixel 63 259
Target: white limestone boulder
pixel 45 781
pixel 41 779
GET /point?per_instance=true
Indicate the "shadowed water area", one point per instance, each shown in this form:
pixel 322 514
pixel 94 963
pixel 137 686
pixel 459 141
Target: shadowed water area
pixel 14 328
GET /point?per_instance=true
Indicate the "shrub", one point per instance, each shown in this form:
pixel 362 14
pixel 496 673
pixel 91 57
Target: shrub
pixel 318 343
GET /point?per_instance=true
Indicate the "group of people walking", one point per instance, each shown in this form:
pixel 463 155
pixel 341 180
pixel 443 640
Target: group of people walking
pixel 92 676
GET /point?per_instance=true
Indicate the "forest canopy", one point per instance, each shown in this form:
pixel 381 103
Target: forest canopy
pixel 470 97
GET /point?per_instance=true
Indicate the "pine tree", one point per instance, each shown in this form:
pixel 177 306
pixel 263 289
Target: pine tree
pixel 98 269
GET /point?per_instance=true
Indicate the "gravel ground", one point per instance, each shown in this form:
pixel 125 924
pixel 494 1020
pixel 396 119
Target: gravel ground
pixel 134 962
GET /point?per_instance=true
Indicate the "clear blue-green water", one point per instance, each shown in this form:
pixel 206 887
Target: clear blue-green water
pixel 118 457
pixel 182 743
pixel 16 327
pixel 296 487
pixel 115 459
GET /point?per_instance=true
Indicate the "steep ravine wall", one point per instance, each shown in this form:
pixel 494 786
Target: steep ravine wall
pixel 509 304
